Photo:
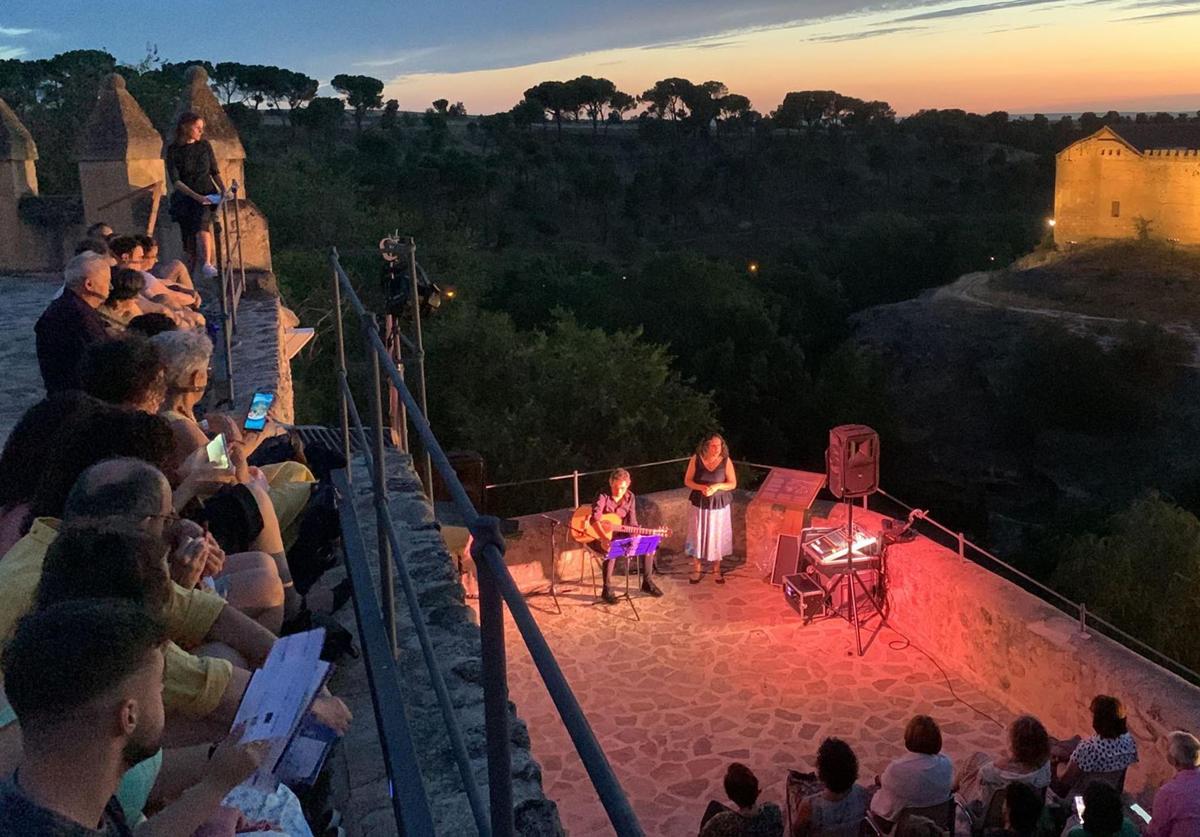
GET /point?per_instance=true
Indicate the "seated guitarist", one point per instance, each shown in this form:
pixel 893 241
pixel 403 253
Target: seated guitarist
pixel 619 501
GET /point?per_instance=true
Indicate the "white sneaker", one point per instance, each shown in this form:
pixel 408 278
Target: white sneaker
pixel 208 271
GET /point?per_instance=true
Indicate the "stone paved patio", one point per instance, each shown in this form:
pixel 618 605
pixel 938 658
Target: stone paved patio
pixel 718 674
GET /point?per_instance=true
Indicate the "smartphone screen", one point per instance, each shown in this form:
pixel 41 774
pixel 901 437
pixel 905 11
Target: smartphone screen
pixel 1140 811
pixel 256 419
pixel 217 454
pixel 1079 806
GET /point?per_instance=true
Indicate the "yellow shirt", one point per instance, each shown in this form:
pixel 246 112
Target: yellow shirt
pixel 192 685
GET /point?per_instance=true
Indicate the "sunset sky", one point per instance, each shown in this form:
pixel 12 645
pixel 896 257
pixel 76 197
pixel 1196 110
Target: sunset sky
pixel 1016 55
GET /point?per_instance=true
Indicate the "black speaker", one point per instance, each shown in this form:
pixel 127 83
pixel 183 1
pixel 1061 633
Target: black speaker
pixel 852 461
pixel 787 558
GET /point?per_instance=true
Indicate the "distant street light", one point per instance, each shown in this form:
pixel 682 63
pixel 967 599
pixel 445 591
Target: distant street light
pixel 1050 222
pixel 752 267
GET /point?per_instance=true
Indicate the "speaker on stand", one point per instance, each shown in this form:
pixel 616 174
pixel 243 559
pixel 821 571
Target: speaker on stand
pixel 852 465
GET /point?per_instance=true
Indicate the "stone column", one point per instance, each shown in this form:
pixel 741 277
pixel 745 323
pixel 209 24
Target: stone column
pixel 119 152
pixel 198 98
pixel 18 177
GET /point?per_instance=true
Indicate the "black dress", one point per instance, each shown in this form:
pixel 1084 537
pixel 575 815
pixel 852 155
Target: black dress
pixel 194 165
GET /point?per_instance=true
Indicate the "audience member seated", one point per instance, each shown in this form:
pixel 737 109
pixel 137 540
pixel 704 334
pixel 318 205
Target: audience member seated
pixel 207 688
pixel 1103 814
pixel 85 681
pixel 126 372
pixel 25 455
pixel 169 277
pixel 749 819
pixel 156 296
pixel 1028 761
pixel 1177 803
pixel 92 245
pixel 1111 750
pixel 186 357
pixel 836 804
pixel 99 230
pixel 70 323
pixel 1023 809
pixel 123 303
pixel 149 325
pixel 919 779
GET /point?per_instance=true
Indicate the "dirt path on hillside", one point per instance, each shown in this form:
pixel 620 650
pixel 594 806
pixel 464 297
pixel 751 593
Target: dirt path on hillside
pixel 974 288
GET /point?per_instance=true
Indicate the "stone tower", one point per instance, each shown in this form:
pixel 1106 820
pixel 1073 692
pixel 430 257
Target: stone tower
pixel 227 147
pixel 18 177
pixel 120 152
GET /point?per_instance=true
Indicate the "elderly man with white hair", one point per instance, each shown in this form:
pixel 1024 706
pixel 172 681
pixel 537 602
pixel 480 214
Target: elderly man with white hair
pixel 1177 803
pixel 70 323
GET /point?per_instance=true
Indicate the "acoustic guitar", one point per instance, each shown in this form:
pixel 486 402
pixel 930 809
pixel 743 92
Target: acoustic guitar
pixel 585 530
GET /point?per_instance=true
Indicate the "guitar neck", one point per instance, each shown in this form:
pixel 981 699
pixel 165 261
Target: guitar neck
pixel 638 530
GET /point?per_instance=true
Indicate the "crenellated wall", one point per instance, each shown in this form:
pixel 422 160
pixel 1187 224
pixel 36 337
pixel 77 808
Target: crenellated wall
pixel 1102 185
pixel 119 153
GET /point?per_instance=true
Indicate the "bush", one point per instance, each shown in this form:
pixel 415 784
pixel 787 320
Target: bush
pixel 1141 572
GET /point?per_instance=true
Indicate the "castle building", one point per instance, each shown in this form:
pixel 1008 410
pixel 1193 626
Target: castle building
pixel 1111 184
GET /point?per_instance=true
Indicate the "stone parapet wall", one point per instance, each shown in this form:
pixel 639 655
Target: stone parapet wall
pixel 1032 657
pixel 454 632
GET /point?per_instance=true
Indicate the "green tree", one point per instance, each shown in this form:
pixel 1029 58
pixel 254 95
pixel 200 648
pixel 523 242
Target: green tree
pixel 537 402
pixel 665 99
pixel 323 117
pixel 440 105
pixel 362 93
pixel 553 97
pixel 595 94
pixel 1141 572
pixel 297 89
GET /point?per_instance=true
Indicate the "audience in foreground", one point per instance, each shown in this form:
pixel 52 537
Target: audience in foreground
pixel 749 819
pixel 918 779
pixel 1177 803
pixel 70 323
pixel 1027 761
pixel 1111 750
pixel 1103 814
pixel 838 803
pixel 85 681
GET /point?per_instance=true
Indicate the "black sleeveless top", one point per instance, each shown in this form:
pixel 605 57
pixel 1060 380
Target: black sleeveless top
pixel 704 476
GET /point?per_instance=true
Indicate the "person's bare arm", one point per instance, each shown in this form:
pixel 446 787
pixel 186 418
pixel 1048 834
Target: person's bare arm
pixel 242 634
pixel 231 764
pixel 730 476
pixel 689 476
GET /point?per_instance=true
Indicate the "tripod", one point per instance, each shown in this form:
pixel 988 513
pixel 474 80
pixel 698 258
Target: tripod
pixel 852 577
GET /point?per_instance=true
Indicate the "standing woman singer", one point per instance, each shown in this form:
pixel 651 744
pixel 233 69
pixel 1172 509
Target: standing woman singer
pixel 711 477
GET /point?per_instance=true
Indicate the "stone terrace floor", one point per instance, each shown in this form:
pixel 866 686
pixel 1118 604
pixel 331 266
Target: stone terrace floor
pixel 718 674
pixel 22 301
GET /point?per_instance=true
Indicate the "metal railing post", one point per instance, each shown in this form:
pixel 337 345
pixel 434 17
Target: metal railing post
pixel 237 225
pixel 386 579
pixel 575 486
pixel 226 318
pixel 416 306
pixel 1083 630
pixel 341 355
pixel 495 698
pixel 962 546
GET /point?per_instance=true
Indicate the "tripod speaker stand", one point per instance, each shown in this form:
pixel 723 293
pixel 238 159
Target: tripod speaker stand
pixel 853 576
pixel 852 463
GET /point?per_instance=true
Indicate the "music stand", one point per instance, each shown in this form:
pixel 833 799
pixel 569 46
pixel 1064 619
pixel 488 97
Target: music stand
pixel 631 547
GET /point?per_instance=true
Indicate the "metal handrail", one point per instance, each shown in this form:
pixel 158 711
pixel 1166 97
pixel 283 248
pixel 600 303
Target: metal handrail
pixel 457 745
pixel 1077 610
pixel 496 589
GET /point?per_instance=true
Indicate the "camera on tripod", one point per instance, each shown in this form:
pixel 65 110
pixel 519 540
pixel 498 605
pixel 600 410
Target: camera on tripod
pixel 397 280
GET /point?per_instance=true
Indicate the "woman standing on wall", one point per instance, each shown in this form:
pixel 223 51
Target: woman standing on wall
pixel 711 477
pixel 192 170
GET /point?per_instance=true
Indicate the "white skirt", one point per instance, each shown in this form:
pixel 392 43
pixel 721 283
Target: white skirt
pixel 714 540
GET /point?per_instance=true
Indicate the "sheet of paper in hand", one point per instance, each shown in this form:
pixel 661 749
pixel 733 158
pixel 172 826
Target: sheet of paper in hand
pixel 279 696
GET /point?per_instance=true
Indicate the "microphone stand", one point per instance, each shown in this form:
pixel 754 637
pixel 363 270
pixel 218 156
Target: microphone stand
pixel 554 524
